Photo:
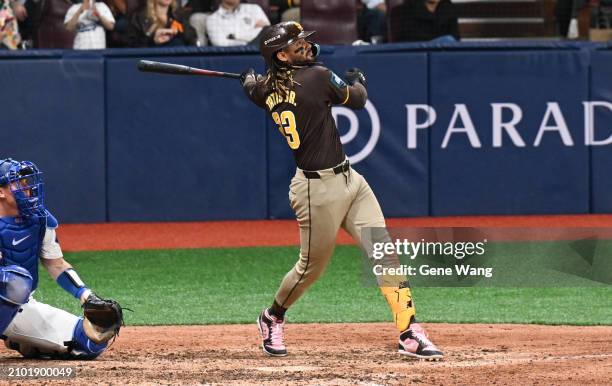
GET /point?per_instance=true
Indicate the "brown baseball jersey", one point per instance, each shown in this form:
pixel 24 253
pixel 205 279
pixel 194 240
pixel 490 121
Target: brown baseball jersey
pixel 304 115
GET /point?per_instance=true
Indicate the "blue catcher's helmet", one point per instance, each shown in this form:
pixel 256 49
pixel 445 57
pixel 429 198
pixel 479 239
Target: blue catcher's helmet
pixel 24 179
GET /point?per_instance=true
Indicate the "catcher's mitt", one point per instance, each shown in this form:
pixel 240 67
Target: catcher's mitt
pixel 103 318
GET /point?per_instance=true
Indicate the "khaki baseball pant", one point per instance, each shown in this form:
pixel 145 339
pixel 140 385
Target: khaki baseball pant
pixel 322 206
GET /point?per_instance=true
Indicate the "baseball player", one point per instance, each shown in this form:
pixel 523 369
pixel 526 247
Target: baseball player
pixel 27 236
pixel 326 193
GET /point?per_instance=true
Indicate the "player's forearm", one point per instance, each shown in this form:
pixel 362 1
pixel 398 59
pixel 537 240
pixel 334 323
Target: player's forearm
pixel 357 97
pixel 55 266
pixel 66 277
pixel 251 89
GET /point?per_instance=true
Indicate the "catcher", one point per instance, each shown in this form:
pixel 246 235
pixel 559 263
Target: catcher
pixel 27 235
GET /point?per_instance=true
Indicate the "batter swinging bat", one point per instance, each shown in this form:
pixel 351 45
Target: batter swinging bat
pixel 170 68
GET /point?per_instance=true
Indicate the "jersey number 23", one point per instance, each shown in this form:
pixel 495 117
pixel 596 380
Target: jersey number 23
pixel 286 124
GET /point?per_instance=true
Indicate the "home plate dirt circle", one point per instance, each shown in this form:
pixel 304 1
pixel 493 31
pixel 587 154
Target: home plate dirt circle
pixel 345 354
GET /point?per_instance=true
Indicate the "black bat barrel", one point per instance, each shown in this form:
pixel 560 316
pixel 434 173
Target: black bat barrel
pixel 168 68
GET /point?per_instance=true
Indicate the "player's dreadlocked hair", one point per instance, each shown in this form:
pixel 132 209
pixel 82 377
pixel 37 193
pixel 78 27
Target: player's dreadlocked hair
pixel 280 80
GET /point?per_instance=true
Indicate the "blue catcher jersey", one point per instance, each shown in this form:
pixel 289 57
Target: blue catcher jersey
pixel 21 241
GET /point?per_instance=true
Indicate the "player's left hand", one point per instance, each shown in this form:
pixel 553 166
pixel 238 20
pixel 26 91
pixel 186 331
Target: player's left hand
pixel 103 318
pixel 248 76
pixel 355 75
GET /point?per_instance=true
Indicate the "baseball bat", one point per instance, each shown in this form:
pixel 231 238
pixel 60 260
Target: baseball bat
pixel 170 68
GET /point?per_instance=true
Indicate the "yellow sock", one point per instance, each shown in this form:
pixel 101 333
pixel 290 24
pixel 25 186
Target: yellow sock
pixel 402 307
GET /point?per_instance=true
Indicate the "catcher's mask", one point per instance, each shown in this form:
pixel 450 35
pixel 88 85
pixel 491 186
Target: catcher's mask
pixel 24 179
pixel 279 36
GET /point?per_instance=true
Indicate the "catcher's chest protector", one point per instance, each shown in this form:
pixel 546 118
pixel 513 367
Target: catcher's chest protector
pixel 20 244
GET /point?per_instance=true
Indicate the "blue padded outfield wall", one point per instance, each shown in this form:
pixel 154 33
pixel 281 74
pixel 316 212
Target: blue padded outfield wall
pixel 454 129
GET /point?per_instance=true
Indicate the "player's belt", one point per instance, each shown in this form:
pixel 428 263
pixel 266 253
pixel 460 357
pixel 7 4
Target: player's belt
pixel 342 168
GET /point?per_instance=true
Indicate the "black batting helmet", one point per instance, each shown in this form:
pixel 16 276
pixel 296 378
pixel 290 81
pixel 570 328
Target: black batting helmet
pixel 279 36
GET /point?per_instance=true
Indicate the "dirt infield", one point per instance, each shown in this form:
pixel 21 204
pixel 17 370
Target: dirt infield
pixel 351 354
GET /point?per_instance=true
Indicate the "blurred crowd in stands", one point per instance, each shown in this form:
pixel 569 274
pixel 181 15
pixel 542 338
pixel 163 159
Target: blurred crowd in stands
pixel 90 24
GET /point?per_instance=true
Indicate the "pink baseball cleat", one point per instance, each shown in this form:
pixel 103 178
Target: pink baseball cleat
pixel 414 343
pixel 271 330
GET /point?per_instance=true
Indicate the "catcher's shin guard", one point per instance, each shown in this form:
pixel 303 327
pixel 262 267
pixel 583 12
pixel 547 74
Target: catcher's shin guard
pixel 81 346
pixel 402 307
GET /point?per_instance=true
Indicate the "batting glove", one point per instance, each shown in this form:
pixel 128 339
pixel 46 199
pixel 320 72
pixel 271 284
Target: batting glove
pixel 355 75
pixel 248 76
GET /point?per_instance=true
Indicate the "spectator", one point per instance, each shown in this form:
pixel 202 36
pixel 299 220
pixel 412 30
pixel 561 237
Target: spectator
pixel 9 30
pixel 19 9
pixel 289 10
pixel 160 25
pixel 371 21
pixel 119 9
pixel 89 19
pixel 565 10
pixel 235 24
pixel 199 11
pixel 50 31
pixel 424 20
pixel 22 9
